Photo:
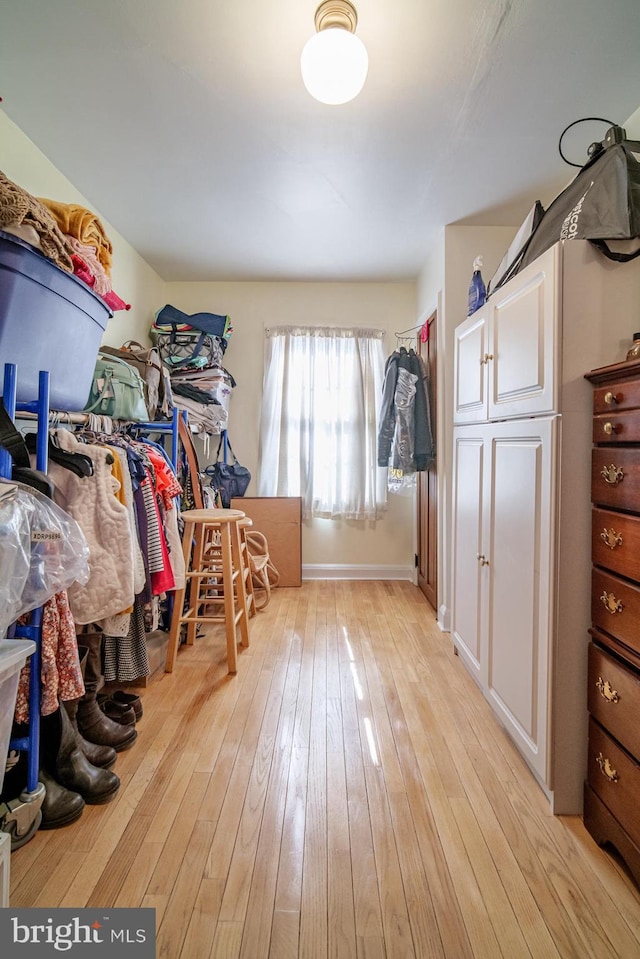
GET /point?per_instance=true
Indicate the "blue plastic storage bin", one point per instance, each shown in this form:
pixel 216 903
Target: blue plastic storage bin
pixel 49 320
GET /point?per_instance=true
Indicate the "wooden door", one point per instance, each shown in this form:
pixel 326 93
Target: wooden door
pixel 427 555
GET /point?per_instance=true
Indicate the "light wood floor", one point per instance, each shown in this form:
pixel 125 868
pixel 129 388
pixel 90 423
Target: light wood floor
pixel 347 794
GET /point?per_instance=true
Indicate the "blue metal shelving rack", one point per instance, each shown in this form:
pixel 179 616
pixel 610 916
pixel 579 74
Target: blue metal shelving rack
pixel 23 816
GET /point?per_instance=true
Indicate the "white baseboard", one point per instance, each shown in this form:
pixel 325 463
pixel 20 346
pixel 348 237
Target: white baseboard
pixel 347 571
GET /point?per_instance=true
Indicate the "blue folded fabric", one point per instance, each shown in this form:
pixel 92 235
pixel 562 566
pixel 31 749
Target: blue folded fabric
pixel 212 323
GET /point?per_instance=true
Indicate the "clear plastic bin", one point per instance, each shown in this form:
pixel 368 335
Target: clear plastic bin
pixel 13 656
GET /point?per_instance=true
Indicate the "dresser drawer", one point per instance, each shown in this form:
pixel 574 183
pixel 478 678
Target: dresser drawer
pixel 617 427
pixel 615 777
pixel 614 698
pixel 615 478
pixel 617 396
pixel 615 607
pixel 615 542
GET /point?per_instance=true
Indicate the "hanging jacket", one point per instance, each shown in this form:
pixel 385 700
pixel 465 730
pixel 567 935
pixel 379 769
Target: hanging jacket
pixel 416 415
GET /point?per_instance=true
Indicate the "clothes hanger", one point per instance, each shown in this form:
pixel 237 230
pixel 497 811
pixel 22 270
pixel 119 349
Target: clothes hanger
pixel 77 463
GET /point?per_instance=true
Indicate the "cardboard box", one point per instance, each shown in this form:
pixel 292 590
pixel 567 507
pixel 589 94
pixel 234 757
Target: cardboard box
pixel 279 518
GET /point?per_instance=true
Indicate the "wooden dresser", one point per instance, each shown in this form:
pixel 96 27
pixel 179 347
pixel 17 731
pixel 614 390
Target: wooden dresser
pixel 612 790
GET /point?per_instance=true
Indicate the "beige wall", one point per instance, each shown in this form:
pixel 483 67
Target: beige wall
pixel 444 283
pixel 133 278
pixel 254 306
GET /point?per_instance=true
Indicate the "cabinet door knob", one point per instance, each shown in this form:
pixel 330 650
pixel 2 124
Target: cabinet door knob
pixel 610 603
pixel 612 474
pixel 611 399
pixel 486 358
pixel 610 538
pixel 607 691
pixel 610 428
pixel 606 768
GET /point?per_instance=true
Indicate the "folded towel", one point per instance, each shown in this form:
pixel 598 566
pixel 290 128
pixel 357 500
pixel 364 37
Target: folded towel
pixel 17 207
pixel 77 221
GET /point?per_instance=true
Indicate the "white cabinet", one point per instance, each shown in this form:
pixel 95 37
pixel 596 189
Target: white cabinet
pixel 502 584
pixel 506 353
pixel 521 513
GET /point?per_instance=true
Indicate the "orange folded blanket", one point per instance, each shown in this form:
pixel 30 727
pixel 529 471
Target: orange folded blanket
pixel 19 208
pixel 84 225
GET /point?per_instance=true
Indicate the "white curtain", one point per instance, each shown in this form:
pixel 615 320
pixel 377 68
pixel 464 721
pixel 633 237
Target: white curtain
pixel 321 396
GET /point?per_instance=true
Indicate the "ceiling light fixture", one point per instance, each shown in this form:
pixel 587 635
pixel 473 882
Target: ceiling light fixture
pixel 334 61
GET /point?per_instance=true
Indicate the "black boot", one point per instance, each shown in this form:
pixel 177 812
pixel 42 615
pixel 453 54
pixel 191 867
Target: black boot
pixel 63 759
pixel 60 807
pixel 103 757
pixel 92 722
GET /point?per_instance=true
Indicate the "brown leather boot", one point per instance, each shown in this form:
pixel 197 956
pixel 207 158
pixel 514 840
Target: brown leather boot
pixel 65 762
pixel 92 722
pixel 103 757
pixel 61 806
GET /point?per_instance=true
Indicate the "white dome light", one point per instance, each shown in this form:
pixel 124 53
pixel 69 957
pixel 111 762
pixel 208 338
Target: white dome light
pixel 334 61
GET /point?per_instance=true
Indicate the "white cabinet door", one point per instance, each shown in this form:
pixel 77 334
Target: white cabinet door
pixel 523 338
pixel 506 356
pixel 469 468
pixel 520 508
pixel 502 581
pixel 470 380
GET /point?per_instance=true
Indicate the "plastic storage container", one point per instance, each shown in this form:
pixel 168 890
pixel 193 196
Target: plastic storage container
pixel 13 656
pixel 49 320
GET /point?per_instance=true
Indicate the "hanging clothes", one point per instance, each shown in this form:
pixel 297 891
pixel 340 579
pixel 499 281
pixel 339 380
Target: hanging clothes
pixel 60 673
pixel 92 502
pixel 405 429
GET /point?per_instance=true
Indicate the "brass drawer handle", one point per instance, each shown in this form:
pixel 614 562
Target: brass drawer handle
pixel 611 399
pixel 606 768
pixel 610 538
pixel 607 691
pixel 612 474
pixel 610 428
pixel 610 603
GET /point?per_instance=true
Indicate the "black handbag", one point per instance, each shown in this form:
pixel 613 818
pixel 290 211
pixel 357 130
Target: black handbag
pixel 228 479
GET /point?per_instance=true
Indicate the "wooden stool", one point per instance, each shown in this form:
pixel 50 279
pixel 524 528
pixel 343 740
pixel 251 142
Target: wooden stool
pixel 244 525
pixel 215 577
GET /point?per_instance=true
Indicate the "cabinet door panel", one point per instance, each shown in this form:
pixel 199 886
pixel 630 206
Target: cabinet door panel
pixel 470 405
pixel 467 539
pixel 523 331
pixel 519 597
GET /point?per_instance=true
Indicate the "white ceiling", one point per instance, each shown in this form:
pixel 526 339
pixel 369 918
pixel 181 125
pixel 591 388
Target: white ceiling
pixel 186 124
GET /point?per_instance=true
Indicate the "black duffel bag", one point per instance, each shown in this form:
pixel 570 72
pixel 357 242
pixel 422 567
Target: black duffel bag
pixel 601 204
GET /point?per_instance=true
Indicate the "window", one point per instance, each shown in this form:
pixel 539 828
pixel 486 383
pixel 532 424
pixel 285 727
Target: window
pixel 321 396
